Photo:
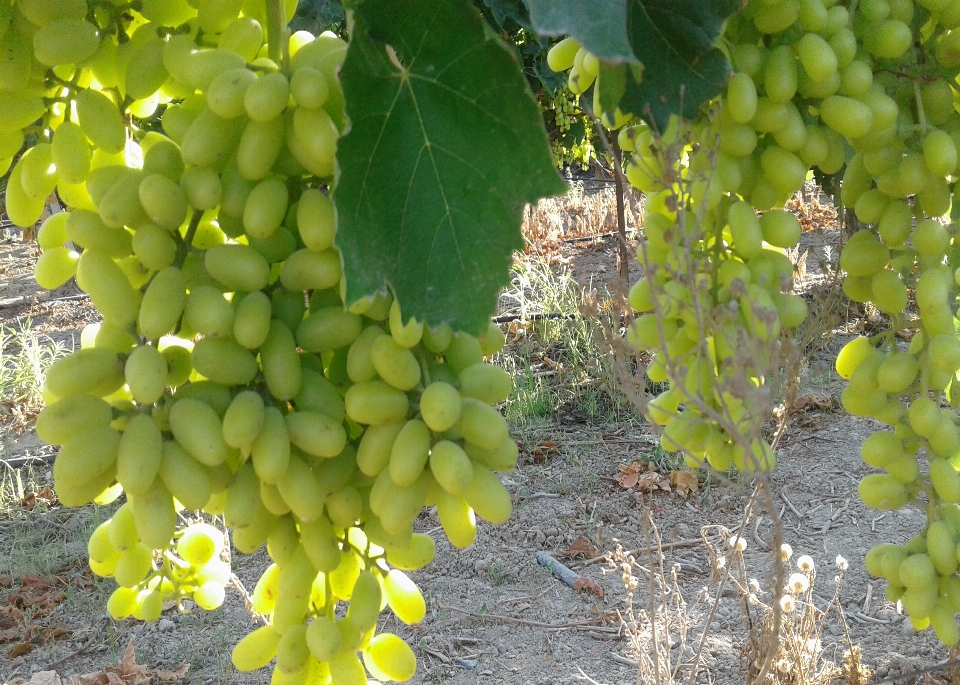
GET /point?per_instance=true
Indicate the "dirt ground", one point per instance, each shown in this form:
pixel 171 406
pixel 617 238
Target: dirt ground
pixel 494 614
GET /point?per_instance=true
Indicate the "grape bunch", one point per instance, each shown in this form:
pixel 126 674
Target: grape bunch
pixel 227 375
pixel 859 88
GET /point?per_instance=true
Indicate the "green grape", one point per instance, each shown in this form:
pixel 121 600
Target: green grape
pixel 208 312
pixel 243 36
pixel 817 57
pixel 316 220
pixel 108 287
pixel 365 599
pixel 391 656
pixel 184 477
pixel 292 650
pixel 197 428
pixel 328 329
pixel 346 669
pixel 406 335
pixel 486 382
pixel 244 419
pixel 481 424
pixel 65 41
pixel 940 153
pixel 440 402
pixel 741 100
pixel 941 548
pixel 154 247
pixel 882 491
pixel 61 420
pixel 223 360
pixel 243 498
pixel 375 403
pixel 226 91
pixel 313 140
pixel 309 87
pixel 133 565
pixel 52 232
pixel 394 363
pixel 251 323
pixel 267 97
pixel 360 367
pixel 309 270
pixel 280 362
pixel 87 230
pixel 163 200
pixel 317 394
pixel 373 453
pixel 55 266
pixel 298 486
pixel 265 208
pixel 945 480
pixel 163 303
pixel 71 153
pixel 23 210
pixel 418 552
pixel 146 374
pixel 86 455
pixel 410 452
pixel 210 139
pixel 209 596
pixel 889 39
pixel 315 433
pixel 260 147
pixel 323 638
pixel 256 649
pixel 139 454
pixel 293 596
pixel 100 120
pixel 122 531
pixel 457 518
pixel 487 496
pixel 451 466
pixel 504 458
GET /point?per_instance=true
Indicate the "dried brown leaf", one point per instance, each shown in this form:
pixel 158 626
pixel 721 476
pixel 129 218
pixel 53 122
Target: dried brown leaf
pixel 684 482
pixel 581 547
pixel 165 676
pixel 19 649
pixel 584 584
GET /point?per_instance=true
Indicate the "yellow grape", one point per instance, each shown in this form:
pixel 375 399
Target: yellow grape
pixel 133 565
pixel 882 491
pixel 139 454
pixel 457 518
pixel 485 382
pixel 23 210
pixel 504 458
pixel 71 153
pixel 392 657
pixel 61 420
pixel 256 649
pixel 121 603
pixel 410 451
pixel 451 466
pixel 404 597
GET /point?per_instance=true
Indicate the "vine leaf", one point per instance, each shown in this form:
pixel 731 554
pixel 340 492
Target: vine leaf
pixel 446 147
pixel 673 40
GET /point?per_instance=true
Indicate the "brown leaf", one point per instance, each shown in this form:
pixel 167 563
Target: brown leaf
pixel 581 547
pixel 651 480
pixel 5 581
pixel 20 649
pixel 584 584
pixel 543 451
pixel 684 482
pixel 38 582
pixel 165 676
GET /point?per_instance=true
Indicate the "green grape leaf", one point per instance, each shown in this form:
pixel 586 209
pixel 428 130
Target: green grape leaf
pixel 446 147
pixel 673 40
pixel 599 25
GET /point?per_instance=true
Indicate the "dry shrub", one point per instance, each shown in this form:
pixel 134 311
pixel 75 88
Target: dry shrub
pixel 582 212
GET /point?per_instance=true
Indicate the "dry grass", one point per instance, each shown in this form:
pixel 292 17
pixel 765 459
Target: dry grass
pixel 24 358
pixel 582 212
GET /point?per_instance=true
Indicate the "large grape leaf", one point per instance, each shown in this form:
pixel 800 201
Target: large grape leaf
pixel 446 147
pixel 673 40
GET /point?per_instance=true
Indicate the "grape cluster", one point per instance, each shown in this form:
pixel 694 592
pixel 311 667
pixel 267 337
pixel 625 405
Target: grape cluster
pixel 227 376
pixel 863 88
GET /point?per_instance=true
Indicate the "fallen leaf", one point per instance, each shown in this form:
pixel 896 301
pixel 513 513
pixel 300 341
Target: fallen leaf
pixel 543 451
pixel 38 582
pixel 684 482
pixel 812 401
pixel 652 481
pixel 581 547
pixel 583 584
pixel 165 676
pixel 44 678
pixel 5 581
pixel 19 649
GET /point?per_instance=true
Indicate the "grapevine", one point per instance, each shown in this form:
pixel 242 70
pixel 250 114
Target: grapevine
pixel 228 376
pixel 859 88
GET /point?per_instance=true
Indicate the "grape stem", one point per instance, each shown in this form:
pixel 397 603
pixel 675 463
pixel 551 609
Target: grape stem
pixel 188 238
pixel 920 114
pixel 276 34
